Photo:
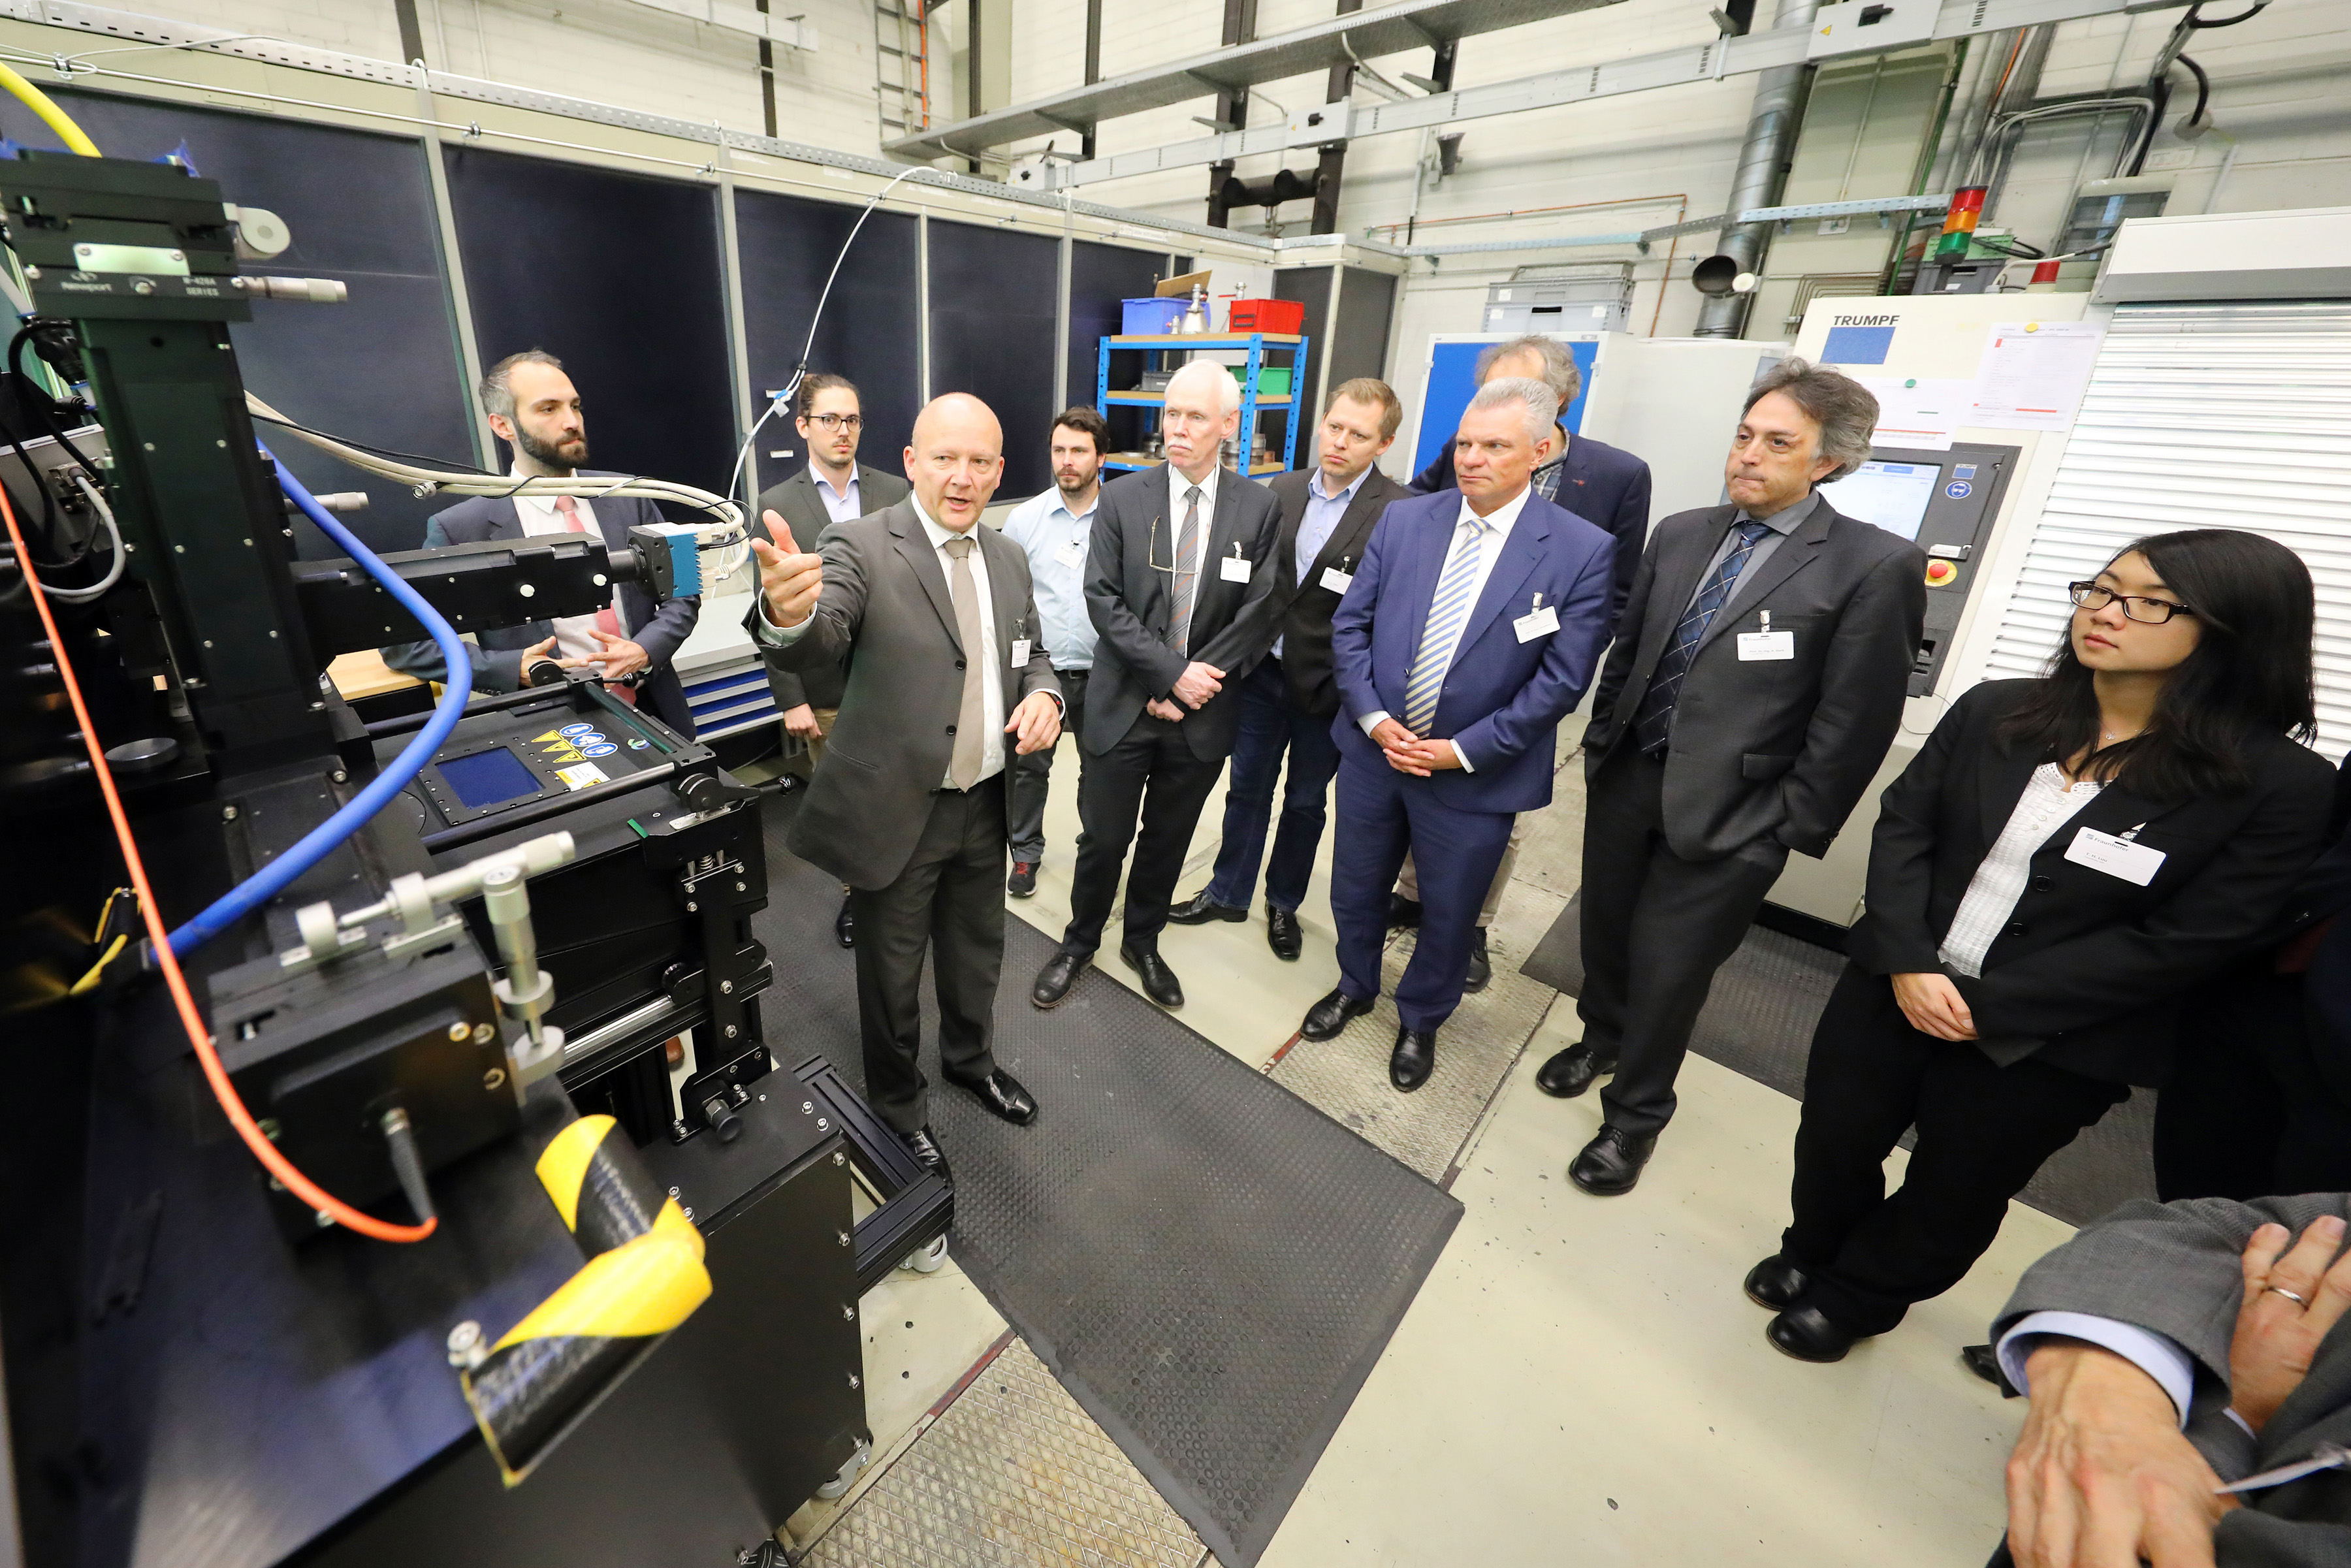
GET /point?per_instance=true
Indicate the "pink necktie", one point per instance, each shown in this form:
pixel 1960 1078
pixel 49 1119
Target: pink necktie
pixel 568 508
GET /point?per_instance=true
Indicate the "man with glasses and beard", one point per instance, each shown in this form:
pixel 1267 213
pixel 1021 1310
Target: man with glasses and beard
pixel 534 407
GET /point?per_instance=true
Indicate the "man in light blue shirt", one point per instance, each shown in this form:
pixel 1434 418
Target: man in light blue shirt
pixel 1053 528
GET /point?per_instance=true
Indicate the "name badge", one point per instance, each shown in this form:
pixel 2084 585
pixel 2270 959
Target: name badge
pixel 1234 568
pixel 1337 581
pixel 1072 554
pixel 1536 623
pixel 1767 645
pixel 2116 857
pixel 1020 648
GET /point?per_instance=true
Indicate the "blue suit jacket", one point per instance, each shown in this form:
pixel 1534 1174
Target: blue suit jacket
pixel 1604 484
pixel 1503 698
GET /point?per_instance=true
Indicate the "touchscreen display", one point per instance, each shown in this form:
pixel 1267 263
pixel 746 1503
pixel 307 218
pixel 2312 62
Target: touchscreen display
pixel 490 778
pixel 1893 495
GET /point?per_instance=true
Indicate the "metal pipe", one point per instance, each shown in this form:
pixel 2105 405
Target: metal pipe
pixel 1772 125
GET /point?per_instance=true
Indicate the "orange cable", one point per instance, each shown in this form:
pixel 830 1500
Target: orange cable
pixel 277 1165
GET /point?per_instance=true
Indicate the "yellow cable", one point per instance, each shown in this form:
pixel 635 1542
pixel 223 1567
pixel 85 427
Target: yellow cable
pixel 90 981
pixel 53 117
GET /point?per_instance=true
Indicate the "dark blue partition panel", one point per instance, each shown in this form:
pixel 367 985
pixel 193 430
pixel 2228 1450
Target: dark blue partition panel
pixel 381 368
pixel 618 277
pixel 1100 276
pixel 871 330
pixel 992 295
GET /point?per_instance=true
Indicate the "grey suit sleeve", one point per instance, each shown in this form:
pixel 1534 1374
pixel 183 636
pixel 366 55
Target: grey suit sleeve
pixel 1862 686
pixel 788 692
pixel 494 669
pixel 1249 635
pixel 831 626
pixel 1627 645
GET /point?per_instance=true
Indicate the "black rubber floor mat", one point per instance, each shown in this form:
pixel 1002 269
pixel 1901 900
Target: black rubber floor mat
pixel 1210 1265
pixel 1759 1021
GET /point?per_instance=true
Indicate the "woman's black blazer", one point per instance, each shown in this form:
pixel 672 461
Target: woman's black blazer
pixel 2085 974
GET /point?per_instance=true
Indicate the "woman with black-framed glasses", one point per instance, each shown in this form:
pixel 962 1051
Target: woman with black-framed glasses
pixel 2063 860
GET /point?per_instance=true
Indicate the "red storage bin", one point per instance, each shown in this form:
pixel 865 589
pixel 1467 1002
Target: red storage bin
pixel 1266 316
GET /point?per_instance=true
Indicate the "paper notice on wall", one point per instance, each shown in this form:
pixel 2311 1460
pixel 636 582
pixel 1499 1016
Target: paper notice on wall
pixel 2033 373
pixel 1918 413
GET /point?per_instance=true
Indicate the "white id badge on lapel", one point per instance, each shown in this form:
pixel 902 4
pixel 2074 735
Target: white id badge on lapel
pixel 1337 581
pixel 1766 643
pixel 1540 621
pixel 1234 568
pixel 1021 647
pixel 1072 554
pixel 2115 856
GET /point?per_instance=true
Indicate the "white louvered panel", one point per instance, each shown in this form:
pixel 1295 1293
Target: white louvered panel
pixel 2234 416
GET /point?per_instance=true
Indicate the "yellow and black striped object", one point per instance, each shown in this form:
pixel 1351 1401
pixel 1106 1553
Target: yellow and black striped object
pixel 643 1277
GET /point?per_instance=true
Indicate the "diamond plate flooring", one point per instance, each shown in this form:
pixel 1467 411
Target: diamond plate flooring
pixel 1347 1078
pixel 1012 1473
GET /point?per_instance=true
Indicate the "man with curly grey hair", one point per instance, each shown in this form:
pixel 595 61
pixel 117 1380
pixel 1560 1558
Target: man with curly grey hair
pixel 1756 682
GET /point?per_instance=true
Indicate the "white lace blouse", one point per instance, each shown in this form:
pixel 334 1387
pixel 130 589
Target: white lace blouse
pixel 2047 804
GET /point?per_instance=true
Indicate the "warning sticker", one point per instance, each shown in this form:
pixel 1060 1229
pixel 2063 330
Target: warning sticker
pixel 581 775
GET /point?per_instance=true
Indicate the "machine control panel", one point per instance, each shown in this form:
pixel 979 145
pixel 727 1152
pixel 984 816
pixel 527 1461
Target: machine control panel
pixel 1947 503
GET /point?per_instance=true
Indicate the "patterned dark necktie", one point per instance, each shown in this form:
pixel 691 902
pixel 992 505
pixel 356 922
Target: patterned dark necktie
pixel 1653 725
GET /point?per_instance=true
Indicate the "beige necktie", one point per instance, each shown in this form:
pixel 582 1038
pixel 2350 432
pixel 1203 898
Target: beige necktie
pixel 971 724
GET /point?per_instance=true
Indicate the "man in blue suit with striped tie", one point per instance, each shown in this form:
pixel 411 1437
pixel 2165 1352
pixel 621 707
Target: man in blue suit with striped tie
pixel 1473 625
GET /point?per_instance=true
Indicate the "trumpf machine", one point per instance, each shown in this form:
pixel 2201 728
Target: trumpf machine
pixel 349 1218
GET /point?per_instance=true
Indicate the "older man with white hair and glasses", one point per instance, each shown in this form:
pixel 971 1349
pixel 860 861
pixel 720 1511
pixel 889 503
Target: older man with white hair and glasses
pixel 1179 585
pixel 1473 627
pixel 1755 688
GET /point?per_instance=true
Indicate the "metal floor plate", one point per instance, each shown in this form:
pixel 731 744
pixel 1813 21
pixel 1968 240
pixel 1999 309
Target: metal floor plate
pixel 1012 1473
pixel 1347 1078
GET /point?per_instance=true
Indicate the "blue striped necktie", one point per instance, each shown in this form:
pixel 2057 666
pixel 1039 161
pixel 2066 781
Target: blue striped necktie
pixel 1653 725
pixel 1448 612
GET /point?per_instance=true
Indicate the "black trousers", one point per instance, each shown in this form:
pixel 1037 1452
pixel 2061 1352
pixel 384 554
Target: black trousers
pixel 2221 1117
pixel 1656 927
pixel 1151 775
pixel 1983 1130
pixel 948 903
pixel 1030 777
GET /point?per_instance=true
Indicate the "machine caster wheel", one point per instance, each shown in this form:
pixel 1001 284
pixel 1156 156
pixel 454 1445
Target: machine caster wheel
pixel 839 1486
pixel 927 1260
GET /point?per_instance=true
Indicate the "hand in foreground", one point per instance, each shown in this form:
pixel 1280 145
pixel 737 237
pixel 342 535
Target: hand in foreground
pixel 1426 757
pixel 1198 683
pixel 800 722
pixel 1160 708
pixel 1401 748
pixel 539 656
pixel 1934 1006
pixel 2100 1475
pixel 618 658
pixel 1037 721
pixel 790 580
pixel 2276 1338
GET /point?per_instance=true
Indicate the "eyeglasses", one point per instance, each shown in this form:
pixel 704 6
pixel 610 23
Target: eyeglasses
pixel 2135 606
pixel 831 422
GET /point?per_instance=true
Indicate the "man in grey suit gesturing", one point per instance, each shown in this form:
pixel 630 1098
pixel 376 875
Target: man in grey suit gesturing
pixel 1179 582
pixel 908 804
pixel 1756 682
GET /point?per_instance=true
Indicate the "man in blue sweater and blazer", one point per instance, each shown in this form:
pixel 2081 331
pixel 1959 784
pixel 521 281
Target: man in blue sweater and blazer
pixel 1472 628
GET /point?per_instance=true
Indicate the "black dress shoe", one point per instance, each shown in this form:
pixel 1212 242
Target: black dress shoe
pixel 1159 982
pixel 1281 933
pixel 1403 911
pixel 1481 968
pixel 1413 1059
pixel 1002 1094
pixel 1984 1361
pixel 1022 883
pixel 1610 1163
pixel 844 924
pixel 1776 1283
pixel 1054 980
pixel 1199 909
pixel 1326 1018
pixel 927 1153
pixel 1571 1072
pixel 1806 1334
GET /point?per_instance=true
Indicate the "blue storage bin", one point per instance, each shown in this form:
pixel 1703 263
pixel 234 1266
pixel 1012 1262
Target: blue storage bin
pixel 1151 318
